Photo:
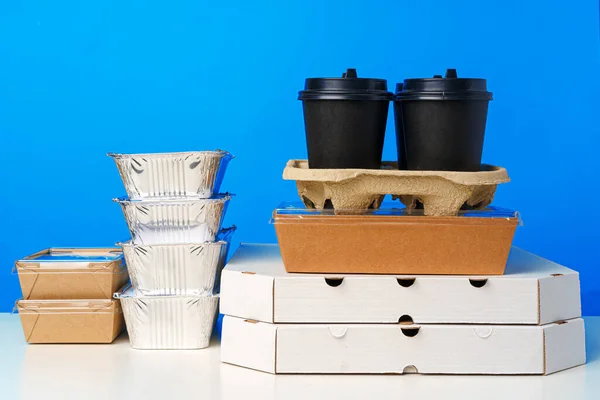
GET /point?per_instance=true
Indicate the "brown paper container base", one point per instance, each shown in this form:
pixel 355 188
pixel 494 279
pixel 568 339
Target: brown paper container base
pixel 395 245
pixel 70 321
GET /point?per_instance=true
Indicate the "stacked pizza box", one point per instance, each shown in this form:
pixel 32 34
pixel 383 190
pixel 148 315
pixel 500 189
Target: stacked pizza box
pixel 527 321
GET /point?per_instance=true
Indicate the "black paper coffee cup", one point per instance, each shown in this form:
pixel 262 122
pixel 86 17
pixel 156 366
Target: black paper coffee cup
pixel 400 144
pixel 345 120
pixel 441 122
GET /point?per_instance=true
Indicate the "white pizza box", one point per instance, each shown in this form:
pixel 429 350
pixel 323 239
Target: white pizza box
pixel 533 291
pixel 397 348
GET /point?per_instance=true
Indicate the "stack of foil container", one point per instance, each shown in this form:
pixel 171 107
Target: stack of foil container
pixel 177 250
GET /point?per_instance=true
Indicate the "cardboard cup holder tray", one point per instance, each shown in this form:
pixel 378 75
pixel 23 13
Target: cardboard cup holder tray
pixel 442 193
pixel 394 240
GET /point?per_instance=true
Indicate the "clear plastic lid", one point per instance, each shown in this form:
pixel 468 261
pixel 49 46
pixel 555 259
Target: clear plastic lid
pixel 75 254
pixel 68 259
pixel 64 257
pixel 289 210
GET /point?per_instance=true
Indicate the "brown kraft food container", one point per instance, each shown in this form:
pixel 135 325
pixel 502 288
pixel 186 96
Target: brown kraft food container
pixel 391 242
pixel 69 273
pixel 70 321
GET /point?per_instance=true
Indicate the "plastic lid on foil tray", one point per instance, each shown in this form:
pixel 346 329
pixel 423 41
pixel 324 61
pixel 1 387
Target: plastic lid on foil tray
pixel 387 209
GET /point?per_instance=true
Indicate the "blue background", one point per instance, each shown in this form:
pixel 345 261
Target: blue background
pixel 82 78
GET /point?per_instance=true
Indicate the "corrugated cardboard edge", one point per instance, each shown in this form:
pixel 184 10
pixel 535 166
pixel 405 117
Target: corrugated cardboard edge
pixel 275 358
pixel 544 347
pixel 539 310
pixel 253 291
pixel 244 343
pixel 564 345
pixel 559 297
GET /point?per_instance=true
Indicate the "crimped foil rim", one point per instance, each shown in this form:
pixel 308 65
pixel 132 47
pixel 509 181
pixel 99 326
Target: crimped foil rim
pixel 123 294
pixel 227 232
pixel 222 198
pixel 130 243
pixel 176 153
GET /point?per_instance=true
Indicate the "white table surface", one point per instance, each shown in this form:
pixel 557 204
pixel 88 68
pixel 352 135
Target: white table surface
pixel 115 371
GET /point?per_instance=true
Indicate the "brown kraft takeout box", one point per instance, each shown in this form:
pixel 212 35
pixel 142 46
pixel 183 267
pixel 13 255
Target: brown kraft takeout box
pixel 70 273
pixel 70 321
pixel 395 241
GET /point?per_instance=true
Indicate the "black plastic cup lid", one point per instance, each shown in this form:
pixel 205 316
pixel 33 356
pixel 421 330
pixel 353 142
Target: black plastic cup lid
pixel 348 87
pixel 450 87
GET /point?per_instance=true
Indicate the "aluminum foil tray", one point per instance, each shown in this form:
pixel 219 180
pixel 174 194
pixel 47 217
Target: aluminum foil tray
pixel 174 221
pixel 177 269
pixel 168 322
pixel 195 174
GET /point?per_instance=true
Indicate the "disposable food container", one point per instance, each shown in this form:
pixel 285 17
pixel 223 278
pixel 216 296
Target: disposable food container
pixel 394 241
pixel 72 273
pixel 168 322
pixel 177 269
pixel 70 321
pixel 172 175
pixel 174 221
